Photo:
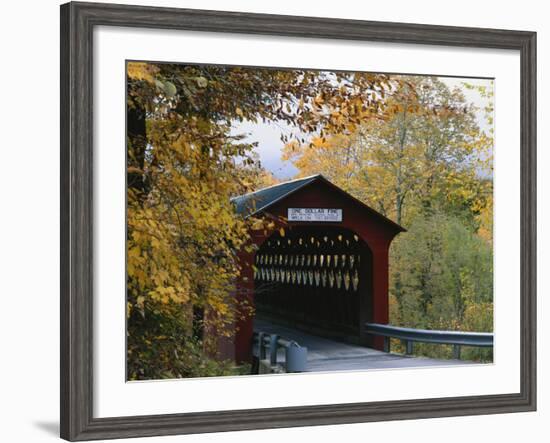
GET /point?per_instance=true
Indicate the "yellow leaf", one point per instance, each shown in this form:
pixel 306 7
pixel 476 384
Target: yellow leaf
pixel 140 71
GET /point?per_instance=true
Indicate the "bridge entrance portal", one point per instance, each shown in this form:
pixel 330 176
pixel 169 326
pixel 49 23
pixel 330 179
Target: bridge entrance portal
pixel 317 278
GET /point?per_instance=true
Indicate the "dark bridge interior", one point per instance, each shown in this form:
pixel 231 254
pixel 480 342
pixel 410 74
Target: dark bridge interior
pixel 317 278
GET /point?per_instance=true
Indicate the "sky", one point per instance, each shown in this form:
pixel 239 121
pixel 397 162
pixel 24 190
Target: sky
pixel 267 135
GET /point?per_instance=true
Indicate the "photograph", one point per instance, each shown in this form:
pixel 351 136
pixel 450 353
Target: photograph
pixel 292 220
pixel 275 222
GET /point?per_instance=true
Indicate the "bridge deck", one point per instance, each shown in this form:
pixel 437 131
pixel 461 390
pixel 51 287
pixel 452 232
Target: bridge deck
pixel 330 355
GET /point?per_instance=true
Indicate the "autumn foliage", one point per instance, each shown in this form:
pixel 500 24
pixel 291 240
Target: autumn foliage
pixel 183 168
pixel 409 147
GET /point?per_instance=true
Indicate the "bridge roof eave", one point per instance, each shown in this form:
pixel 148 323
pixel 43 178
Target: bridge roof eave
pixel 270 196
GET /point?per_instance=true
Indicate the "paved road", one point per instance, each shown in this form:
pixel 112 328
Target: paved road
pixel 330 355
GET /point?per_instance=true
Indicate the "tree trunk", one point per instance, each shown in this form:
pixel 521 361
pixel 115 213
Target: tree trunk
pixel 399 200
pixel 136 147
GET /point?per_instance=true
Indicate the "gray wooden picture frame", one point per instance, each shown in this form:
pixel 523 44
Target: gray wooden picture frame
pixel 77 23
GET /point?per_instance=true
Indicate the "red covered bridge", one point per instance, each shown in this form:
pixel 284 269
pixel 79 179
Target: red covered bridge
pixel 325 272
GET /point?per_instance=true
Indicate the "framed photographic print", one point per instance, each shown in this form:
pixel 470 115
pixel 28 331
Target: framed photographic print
pixel 273 221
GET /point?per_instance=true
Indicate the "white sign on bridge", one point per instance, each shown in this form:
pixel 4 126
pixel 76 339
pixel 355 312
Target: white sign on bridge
pixel 314 214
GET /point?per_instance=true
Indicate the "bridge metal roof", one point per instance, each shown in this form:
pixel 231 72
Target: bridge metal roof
pixel 260 200
pixel 257 201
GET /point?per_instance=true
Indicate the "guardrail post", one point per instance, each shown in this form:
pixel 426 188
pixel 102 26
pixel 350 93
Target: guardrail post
pixel 261 348
pixel 387 344
pixel 409 347
pixel 295 358
pixel 456 352
pixel 273 349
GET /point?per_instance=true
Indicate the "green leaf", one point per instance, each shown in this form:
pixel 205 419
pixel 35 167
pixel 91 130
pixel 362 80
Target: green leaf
pixel 170 89
pixel 201 82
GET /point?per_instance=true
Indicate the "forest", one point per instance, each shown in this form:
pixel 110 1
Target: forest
pixel 412 147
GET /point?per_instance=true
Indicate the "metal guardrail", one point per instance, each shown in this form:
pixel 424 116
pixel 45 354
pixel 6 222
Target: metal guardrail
pixel 409 336
pixel 295 355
